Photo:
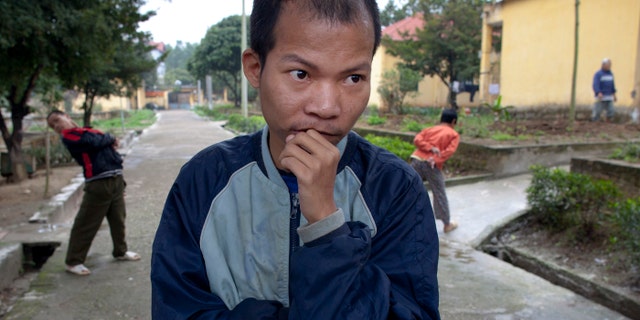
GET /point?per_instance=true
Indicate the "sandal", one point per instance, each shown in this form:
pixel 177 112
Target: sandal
pixel 78 269
pixel 450 227
pixel 129 256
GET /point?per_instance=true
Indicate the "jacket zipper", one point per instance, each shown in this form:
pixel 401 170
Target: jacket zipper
pixel 294 223
pixel 294 240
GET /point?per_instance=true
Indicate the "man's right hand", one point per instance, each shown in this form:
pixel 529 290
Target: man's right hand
pixel 314 162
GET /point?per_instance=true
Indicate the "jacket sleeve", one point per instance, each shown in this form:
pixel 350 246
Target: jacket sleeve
pixel 450 149
pixel 421 141
pixel 88 141
pixel 596 83
pixel 179 283
pixel 347 274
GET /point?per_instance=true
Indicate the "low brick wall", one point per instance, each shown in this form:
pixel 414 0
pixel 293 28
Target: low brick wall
pixel 511 160
pixel 623 174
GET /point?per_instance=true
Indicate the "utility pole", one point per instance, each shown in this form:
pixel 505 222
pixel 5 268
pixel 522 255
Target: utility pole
pixel 244 84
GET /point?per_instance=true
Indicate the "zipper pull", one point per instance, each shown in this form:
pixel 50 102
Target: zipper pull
pixel 295 205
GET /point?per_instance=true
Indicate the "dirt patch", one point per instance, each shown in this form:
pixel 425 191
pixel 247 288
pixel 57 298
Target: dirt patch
pixel 607 263
pixel 542 132
pixel 19 201
pixel 597 260
pixel 523 132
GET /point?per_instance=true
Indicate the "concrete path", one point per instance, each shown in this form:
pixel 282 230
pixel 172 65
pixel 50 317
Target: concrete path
pixel 473 285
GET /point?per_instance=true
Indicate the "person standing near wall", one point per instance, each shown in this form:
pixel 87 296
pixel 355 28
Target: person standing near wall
pixel 604 89
pixel 434 146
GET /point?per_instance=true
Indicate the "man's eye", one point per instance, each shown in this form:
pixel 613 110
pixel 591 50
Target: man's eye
pixel 299 74
pixel 354 78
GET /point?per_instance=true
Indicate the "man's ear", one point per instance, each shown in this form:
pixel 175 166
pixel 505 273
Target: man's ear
pixel 251 67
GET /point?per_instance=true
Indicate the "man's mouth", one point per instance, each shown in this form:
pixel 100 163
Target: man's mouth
pixel 325 134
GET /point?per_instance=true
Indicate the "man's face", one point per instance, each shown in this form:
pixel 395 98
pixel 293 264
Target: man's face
pixel 59 122
pixel 606 66
pixel 317 76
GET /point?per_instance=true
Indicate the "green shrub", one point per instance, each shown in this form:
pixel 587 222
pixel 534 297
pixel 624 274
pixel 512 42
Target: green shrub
pixel 373 109
pixel 501 136
pixel 218 113
pixel 627 221
pixel 375 120
pixel 138 119
pixel 247 125
pixel 395 145
pixel 476 126
pixel 412 125
pixel 629 153
pixel 433 114
pixel 59 155
pixel 565 200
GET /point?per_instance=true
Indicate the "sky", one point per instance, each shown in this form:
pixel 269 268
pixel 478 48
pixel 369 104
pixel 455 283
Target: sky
pixel 188 20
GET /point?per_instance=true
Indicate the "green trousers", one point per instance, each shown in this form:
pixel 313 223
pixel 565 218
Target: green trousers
pixel 102 198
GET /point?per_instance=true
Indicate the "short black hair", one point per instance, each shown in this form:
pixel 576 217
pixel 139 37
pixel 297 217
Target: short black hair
pixel 449 116
pixel 265 13
pixel 54 111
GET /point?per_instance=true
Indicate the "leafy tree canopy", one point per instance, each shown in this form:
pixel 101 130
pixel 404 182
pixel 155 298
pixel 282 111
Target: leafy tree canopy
pixel 449 44
pixel 63 39
pixel 218 55
pixel 393 13
pixel 179 55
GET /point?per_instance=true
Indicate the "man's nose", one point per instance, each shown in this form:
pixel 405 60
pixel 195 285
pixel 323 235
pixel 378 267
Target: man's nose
pixel 325 101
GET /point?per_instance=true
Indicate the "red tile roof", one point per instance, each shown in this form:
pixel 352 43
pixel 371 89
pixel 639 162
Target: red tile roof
pixel 151 94
pixel 159 45
pixel 405 26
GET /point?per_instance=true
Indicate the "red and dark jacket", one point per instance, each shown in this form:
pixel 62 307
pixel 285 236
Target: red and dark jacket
pixel 93 150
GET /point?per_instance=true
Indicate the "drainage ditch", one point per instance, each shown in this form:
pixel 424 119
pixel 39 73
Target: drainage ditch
pixel 495 246
pixel 36 254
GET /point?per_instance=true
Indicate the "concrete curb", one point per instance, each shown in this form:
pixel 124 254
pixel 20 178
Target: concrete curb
pixel 10 263
pixel 575 282
pixel 490 230
pixel 556 274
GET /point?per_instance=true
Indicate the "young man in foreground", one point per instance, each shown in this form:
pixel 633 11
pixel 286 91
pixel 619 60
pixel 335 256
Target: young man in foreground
pixel 305 219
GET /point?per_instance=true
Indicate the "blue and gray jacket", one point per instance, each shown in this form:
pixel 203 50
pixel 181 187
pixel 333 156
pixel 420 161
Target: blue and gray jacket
pixel 230 243
pixel 603 83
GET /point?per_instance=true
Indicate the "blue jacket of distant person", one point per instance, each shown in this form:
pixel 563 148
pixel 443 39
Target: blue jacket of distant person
pixel 232 243
pixel 603 83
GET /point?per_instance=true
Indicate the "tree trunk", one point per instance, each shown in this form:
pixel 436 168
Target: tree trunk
pixel 572 106
pixel 19 109
pixel 453 99
pixel 87 105
pixel 18 169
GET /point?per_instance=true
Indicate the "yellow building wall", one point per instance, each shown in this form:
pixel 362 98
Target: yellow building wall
pixel 432 92
pixel 102 104
pixel 538 43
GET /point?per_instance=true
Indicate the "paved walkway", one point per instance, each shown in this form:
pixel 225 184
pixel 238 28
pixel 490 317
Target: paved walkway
pixel 472 285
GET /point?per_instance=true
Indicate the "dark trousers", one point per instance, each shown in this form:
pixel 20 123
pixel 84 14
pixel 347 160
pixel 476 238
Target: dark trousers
pixel 102 198
pixel 436 182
